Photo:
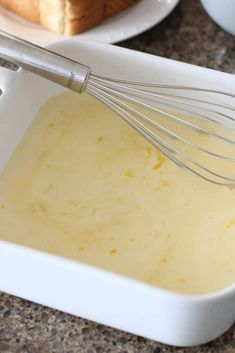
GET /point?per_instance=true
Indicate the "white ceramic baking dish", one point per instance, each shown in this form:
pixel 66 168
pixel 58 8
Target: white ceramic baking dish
pixel 79 289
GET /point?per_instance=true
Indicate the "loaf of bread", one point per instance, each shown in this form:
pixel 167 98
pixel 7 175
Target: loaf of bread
pixel 67 17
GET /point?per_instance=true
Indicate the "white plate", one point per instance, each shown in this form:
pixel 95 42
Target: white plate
pixel 129 23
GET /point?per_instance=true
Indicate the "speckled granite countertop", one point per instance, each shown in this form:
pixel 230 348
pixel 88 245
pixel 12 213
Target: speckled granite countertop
pixel 187 35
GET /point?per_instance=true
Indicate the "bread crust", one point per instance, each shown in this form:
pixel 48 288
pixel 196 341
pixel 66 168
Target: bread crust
pixel 28 9
pixel 67 17
pixel 71 16
pixel 80 21
pixel 52 15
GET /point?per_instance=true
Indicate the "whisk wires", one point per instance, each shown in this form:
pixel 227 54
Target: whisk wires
pixel 194 127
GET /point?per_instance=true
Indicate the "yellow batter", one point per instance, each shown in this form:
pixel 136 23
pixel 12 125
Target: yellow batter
pixel 84 185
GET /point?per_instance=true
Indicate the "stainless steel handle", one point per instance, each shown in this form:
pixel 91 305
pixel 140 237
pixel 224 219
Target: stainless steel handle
pixel 45 63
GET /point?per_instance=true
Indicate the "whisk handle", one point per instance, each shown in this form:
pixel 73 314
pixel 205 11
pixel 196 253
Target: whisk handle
pixel 45 63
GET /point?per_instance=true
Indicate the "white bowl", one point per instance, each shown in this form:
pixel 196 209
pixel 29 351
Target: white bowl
pixel 95 294
pixel 222 12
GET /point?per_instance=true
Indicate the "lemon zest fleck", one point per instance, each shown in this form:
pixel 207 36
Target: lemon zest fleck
pixel 51 125
pixel 230 223
pixel 129 174
pixel 161 159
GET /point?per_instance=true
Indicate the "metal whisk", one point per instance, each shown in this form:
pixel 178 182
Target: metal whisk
pixel 194 127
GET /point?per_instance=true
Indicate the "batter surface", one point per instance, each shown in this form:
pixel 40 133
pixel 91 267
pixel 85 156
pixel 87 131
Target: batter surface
pixel 84 185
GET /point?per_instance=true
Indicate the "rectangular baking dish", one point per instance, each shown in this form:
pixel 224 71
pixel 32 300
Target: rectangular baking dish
pixel 83 290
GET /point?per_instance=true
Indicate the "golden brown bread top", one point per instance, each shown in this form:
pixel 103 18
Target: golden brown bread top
pixel 67 16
